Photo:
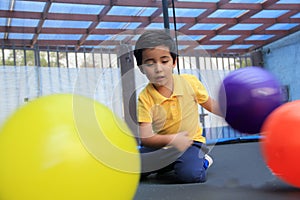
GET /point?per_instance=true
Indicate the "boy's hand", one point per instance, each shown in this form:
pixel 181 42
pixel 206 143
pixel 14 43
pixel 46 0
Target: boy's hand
pixel 181 141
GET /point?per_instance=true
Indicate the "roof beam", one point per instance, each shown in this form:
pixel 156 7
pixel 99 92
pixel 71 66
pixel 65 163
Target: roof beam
pixel 93 25
pixel 156 17
pixel 41 22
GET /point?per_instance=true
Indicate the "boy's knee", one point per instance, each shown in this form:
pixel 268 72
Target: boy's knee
pixel 191 176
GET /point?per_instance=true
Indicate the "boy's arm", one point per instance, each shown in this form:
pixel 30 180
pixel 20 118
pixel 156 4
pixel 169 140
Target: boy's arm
pixel 180 141
pixel 212 106
pixel 201 94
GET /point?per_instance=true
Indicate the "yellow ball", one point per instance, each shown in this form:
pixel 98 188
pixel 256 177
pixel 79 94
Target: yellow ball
pixel 67 146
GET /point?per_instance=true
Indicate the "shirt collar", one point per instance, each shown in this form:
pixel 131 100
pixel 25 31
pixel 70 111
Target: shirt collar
pixel 158 98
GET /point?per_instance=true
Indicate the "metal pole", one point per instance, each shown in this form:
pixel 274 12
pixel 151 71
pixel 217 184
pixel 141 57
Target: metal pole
pixel 176 41
pixel 165 14
pixel 167 25
pixel 128 87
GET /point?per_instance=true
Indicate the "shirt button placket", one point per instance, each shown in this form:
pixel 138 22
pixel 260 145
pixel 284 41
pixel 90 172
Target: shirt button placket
pixel 174 109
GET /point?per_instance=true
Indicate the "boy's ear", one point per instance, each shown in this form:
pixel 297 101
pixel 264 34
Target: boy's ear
pixel 175 62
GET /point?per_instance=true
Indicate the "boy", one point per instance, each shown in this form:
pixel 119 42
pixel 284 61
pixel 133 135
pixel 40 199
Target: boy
pixel 169 127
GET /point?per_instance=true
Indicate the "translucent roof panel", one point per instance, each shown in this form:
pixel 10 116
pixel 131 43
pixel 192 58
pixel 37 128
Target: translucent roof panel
pixel 245 26
pixel 296 16
pixel 118 37
pixel 83 23
pixel 29 6
pixel 135 37
pixel 101 47
pixel 59 36
pixel 225 37
pixel 185 12
pixel 108 37
pixel 240 46
pixel 3 21
pixel 190 37
pixel 24 22
pixel 131 11
pixel 206 26
pixel 118 25
pixel 282 26
pixel 181 47
pixel 2 35
pixel 20 36
pixel 259 37
pixel 288 2
pixel 208 47
pixel 161 26
pixel 227 13
pixel 4 5
pixel 98 37
pixel 66 24
pixel 209 1
pixel 269 13
pixel 247 1
pixel 75 8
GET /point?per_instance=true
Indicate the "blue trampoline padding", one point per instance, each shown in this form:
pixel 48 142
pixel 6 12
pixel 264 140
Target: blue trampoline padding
pixel 249 138
pixel 234 139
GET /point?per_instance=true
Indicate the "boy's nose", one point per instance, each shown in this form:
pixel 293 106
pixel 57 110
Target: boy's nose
pixel 158 67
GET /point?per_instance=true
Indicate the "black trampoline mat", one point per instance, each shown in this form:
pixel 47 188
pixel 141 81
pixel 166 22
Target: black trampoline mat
pixel 238 172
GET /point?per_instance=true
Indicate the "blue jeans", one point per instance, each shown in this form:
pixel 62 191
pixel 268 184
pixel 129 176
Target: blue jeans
pixel 189 166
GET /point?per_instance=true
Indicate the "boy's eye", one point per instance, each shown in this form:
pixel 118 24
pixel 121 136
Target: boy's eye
pixel 148 64
pixel 151 63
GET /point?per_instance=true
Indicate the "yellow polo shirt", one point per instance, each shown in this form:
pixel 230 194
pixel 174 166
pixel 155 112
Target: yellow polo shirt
pixel 176 113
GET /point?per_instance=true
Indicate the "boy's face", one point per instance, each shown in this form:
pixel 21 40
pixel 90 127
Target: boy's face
pixel 158 66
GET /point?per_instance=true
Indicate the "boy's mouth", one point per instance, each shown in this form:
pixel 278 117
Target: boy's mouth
pixel 159 78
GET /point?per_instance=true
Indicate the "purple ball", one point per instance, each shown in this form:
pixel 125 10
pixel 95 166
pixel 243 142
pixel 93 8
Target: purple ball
pixel 247 96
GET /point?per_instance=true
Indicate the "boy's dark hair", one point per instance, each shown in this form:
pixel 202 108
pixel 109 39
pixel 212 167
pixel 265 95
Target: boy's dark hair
pixel 151 39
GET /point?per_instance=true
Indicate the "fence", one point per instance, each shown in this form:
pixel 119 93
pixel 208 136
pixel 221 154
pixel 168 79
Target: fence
pixel 28 73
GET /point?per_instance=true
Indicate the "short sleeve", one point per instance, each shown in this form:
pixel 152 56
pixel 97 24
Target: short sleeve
pixel 143 109
pixel 199 89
